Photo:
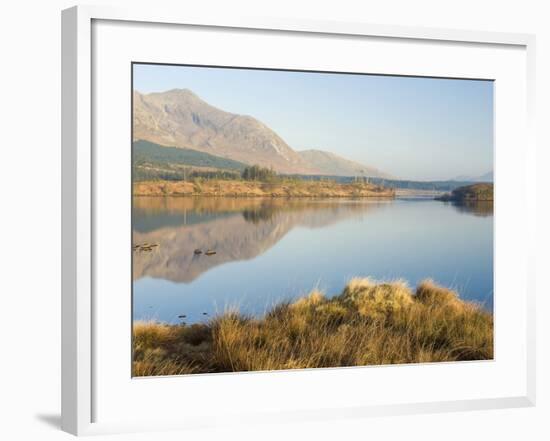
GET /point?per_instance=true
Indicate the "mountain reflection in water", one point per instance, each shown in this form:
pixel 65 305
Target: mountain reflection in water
pixel 235 228
pixel 273 250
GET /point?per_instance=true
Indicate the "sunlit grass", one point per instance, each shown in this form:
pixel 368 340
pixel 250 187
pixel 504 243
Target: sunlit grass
pixel 369 323
pixel 284 188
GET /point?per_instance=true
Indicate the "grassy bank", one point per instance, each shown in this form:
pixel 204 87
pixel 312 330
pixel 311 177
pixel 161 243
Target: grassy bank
pixel 281 188
pixel 367 324
pixel 470 193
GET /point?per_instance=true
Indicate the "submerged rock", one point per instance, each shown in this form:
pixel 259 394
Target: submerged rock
pixel 145 246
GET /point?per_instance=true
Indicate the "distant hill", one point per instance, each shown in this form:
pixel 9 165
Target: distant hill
pixel 330 164
pixel 178 118
pixel 487 177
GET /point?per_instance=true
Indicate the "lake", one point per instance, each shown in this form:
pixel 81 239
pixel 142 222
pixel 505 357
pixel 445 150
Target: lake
pixel 270 250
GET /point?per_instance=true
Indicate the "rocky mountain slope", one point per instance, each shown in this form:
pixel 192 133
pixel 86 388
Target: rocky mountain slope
pixel 179 118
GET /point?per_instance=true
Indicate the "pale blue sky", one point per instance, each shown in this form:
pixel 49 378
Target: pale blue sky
pixel 409 127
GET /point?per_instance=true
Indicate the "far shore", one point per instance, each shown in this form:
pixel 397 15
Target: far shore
pixel 277 189
pixel 480 192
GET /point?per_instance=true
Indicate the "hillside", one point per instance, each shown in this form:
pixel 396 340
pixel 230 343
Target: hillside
pixel 151 152
pixel 180 119
pixel 330 164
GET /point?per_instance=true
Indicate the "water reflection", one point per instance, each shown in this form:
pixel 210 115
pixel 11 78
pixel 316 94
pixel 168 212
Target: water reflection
pixel 477 208
pixel 236 229
pixel 271 250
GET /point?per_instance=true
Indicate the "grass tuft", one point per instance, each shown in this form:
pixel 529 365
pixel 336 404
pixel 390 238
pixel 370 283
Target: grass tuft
pixel 369 323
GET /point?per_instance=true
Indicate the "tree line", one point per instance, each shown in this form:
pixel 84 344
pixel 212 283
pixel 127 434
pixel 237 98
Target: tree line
pixel 257 173
pixel 142 172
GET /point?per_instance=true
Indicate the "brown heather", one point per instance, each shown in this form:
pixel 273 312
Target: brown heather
pixel 367 324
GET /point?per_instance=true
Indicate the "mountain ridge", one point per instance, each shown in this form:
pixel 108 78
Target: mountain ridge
pixel 180 118
pixel 485 177
pixel 332 164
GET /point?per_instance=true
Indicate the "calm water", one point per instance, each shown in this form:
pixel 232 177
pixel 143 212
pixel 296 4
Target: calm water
pixel 273 250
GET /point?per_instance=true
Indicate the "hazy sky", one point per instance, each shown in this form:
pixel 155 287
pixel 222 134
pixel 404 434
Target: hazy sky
pixel 415 128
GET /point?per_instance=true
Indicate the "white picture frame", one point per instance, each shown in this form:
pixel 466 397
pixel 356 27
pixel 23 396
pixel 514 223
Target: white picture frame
pixel 80 381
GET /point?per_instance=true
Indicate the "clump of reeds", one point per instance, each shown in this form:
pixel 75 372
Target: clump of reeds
pixel 369 323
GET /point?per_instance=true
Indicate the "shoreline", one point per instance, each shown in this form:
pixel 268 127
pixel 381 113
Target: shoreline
pixel 250 189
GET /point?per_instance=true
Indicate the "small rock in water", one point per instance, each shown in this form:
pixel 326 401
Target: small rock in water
pixel 182 316
pixel 145 246
pixel 204 313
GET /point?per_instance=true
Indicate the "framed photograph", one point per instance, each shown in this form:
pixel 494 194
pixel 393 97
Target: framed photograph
pixel 272 220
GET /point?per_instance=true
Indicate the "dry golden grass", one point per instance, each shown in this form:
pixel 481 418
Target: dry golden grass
pixel 290 188
pixel 369 323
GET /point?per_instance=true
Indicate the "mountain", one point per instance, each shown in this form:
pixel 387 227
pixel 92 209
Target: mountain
pixel 486 177
pixel 330 164
pixel 178 118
